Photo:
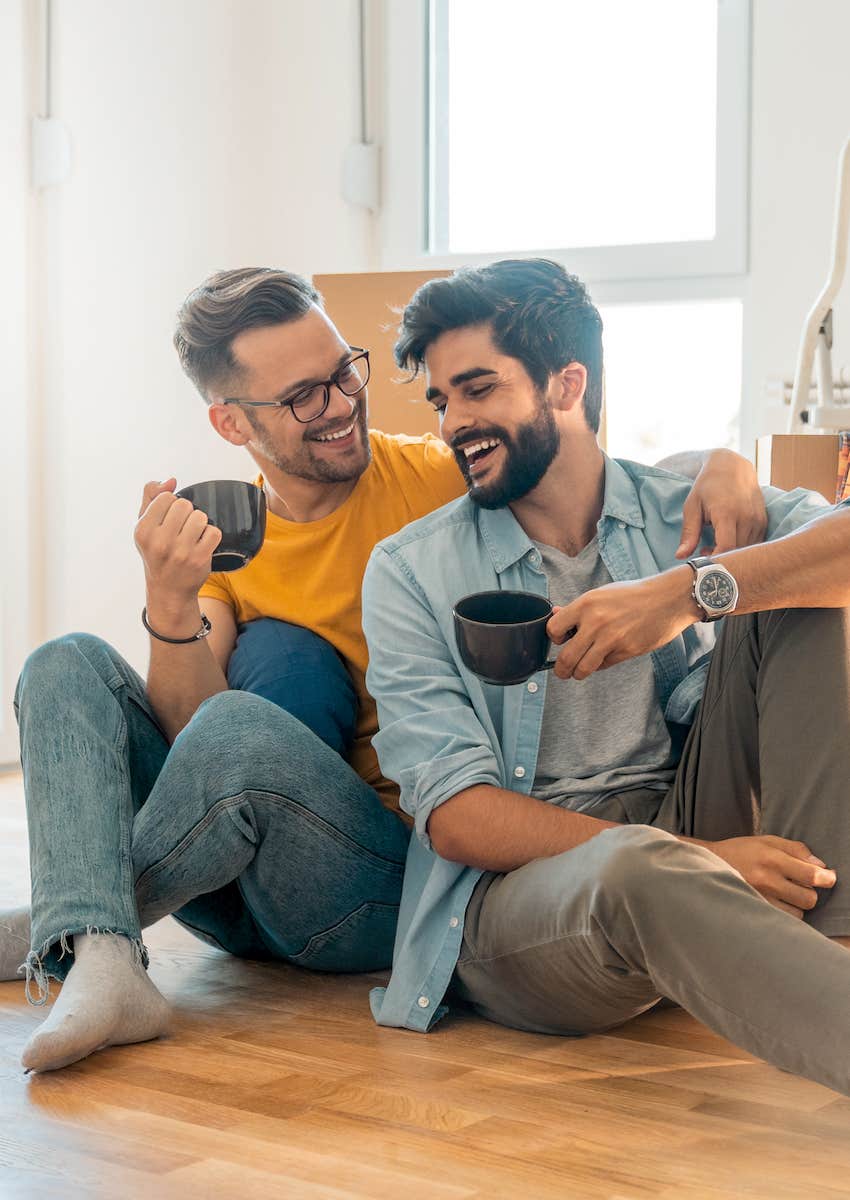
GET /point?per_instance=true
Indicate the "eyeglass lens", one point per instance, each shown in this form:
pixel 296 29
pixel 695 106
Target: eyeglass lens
pixel 351 378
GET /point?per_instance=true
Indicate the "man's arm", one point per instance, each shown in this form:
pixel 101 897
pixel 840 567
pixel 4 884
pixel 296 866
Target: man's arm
pixel 430 739
pixel 176 544
pixel 726 495
pixel 809 568
pixel 180 678
pixel 500 830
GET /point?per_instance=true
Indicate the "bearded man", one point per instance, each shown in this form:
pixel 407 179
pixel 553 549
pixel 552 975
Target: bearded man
pixel 585 840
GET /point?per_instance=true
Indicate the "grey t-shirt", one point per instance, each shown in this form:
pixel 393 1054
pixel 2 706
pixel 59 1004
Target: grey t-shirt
pixel 606 733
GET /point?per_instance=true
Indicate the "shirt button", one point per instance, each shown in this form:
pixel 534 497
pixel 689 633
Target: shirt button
pixel 423 1001
pixel 519 772
pixel 621 524
pixel 453 923
pixel 532 687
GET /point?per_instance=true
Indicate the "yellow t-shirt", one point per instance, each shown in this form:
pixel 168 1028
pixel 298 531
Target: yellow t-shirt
pixel 311 573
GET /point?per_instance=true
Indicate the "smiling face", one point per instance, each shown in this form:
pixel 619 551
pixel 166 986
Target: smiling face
pixel 282 362
pixel 499 425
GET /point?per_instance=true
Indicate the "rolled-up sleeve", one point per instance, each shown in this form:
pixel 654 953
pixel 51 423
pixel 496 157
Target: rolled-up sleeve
pixel 430 739
pixel 788 511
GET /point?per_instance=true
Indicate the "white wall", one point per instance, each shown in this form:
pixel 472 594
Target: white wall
pixel 800 120
pixel 206 134
pixel 16 515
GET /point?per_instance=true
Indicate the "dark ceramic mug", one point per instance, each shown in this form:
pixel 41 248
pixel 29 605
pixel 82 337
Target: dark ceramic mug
pixel 238 509
pixel 501 636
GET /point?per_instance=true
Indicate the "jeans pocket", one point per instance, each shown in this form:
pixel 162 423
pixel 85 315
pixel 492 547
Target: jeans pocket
pixel 361 941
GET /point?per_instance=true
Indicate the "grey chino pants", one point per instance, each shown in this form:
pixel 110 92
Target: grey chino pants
pixel 584 941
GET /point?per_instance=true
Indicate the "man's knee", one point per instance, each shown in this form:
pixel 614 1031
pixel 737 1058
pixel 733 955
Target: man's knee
pixel 52 667
pixel 237 742
pixel 299 672
pixel 641 865
pixel 631 858
pixel 239 724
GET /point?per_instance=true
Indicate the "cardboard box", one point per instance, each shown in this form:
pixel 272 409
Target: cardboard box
pixel 365 309
pixel 808 460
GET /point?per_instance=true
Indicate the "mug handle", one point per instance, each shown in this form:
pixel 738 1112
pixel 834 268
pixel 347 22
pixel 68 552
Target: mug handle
pixel 550 662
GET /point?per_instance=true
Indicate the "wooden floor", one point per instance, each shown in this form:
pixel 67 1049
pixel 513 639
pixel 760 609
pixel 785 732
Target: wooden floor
pixel 277 1083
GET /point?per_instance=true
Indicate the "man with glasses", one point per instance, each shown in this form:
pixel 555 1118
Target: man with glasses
pixel 237 787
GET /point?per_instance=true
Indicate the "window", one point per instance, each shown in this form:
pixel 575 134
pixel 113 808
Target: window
pixel 611 135
pixel 625 151
pixel 567 124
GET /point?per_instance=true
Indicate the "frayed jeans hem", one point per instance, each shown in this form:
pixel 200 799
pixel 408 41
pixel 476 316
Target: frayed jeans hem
pixel 54 958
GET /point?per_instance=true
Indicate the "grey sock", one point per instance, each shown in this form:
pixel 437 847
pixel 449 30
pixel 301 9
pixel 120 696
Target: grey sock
pixel 107 999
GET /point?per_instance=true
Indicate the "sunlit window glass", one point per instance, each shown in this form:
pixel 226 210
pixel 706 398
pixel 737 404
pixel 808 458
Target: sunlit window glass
pixel 573 123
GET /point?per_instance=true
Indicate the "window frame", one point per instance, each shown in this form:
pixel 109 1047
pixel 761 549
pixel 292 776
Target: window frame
pixel 411 103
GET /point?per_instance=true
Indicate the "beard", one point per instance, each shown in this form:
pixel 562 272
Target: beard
pixel 529 452
pixel 305 463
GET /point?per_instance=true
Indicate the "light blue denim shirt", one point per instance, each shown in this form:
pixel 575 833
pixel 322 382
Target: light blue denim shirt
pixel 442 729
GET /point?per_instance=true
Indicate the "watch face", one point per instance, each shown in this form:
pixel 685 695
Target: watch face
pixel 716 591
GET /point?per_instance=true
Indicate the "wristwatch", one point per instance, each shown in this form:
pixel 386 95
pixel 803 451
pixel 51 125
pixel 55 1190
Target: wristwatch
pixel 715 589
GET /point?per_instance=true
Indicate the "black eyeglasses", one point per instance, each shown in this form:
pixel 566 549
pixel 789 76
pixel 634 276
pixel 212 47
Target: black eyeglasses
pixel 310 403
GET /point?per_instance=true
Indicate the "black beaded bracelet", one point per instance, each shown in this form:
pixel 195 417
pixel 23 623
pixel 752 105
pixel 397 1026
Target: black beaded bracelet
pixel 206 626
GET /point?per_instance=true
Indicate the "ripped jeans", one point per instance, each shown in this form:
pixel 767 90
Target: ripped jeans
pixel 257 836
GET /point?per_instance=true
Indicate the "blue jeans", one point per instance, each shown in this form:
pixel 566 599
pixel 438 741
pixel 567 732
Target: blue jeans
pixel 249 829
pixel 299 671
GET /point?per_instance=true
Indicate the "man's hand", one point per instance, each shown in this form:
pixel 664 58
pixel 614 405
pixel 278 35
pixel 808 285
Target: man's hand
pixel 725 495
pixel 622 620
pixel 786 873
pixel 176 543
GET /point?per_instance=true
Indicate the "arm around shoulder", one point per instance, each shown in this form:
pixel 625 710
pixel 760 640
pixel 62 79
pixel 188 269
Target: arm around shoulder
pixel 806 567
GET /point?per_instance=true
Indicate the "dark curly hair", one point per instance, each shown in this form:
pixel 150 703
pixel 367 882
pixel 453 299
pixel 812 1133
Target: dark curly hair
pixel 227 304
pixel 537 311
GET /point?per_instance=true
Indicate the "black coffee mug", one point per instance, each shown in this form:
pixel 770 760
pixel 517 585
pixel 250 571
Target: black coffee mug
pixel 501 636
pixel 238 509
